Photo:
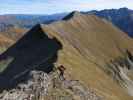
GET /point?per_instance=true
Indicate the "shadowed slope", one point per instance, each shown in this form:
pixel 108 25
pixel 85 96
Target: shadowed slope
pixel 34 49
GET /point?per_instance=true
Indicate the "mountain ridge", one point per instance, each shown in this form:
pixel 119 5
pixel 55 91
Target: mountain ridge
pixel 86 34
pixel 88 43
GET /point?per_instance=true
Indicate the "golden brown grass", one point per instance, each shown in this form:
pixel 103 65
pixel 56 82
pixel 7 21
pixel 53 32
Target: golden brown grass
pixel 9 37
pixel 14 33
pixel 89 42
pixel 4 43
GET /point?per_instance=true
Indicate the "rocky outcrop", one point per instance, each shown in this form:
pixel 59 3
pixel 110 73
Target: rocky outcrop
pixel 33 89
pixel 120 69
pixel 42 86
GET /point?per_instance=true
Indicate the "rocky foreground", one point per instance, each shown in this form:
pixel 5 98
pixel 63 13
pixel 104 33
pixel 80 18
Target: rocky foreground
pixel 42 86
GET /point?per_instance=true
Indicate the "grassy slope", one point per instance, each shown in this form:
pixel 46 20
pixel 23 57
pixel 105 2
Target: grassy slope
pixel 4 43
pixel 88 43
pixel 9 37
pixel 14 33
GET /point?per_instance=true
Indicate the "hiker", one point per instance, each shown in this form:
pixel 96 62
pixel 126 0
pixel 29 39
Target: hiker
pixel 61 70
pixel 129 54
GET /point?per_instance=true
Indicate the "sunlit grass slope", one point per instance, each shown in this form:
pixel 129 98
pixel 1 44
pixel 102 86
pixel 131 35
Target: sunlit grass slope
pixel 4 42
pixel 88 43
pixel 9 37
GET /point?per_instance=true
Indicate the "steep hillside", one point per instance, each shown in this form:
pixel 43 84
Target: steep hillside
pixel 14 33
pixel 4 43
pixel 10 36
pixel 92 50
pixel 89 43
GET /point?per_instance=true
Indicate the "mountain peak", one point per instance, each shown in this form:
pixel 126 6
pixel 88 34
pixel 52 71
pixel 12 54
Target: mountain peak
pixel 124 8
pixel 71 15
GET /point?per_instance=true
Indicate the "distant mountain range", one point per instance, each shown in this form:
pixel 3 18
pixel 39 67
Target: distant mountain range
pixel 122 18
pixel 27 21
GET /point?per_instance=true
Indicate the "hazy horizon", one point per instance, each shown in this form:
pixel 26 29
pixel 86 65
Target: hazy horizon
pixel 37 14
pixel 47 7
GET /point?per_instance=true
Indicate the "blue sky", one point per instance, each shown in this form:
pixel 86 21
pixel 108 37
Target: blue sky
pixel 57 6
